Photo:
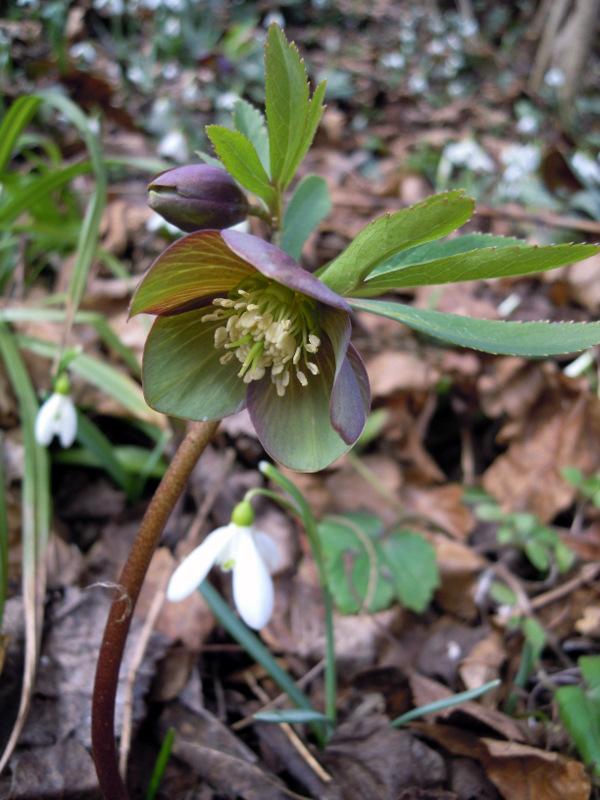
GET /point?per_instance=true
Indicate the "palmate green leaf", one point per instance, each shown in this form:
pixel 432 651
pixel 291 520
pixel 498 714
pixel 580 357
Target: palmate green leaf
pixel 309 204
pixel 239 156
pixel 527 339
pixel 248 120
pixel 292 119
pixel 490 262
pixel 351 537
pixel 411 562
pixel 384 237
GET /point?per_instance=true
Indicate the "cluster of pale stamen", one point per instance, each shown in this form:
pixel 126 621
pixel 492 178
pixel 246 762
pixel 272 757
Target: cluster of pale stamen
pixel 272 334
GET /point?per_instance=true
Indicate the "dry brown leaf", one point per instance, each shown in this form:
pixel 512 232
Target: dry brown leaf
pixel 511 386
pixel 518 770
pixel 392 372
pixel 562 431
pixel 472 715
pixel 442 505
pixel 483 664
pixel 459 567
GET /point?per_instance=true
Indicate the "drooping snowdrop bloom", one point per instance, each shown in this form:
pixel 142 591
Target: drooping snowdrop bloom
pixel 57 417
pixel 247 552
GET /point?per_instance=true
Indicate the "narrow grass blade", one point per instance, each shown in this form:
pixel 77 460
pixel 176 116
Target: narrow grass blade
pixel 98 321
pixel 3 548
pixel 447 702
pixel 88 237
pixel 161 764
pixel 256 649
pixel 15 121
pixel 35 526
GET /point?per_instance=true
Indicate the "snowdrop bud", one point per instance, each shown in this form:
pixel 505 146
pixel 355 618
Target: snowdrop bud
pixel 197 197
pixel 57 417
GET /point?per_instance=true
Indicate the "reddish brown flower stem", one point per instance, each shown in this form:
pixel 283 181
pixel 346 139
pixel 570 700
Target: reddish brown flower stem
pixel 126 595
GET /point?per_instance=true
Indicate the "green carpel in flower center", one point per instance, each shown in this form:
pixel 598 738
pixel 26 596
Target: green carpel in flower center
pixel 268 326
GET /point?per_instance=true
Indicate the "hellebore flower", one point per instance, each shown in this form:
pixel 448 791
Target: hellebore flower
pixel 197 197
pixel 240 323
pixel 239 547
pixel 57 417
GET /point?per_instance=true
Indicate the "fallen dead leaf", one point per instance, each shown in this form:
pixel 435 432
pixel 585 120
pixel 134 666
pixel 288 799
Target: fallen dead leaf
pixel 563 430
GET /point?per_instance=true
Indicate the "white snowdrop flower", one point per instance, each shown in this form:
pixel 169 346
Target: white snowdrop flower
pixel 157 223
pixel 587 167
pixel 528 124
pixel 174 5
pixel 554 77
pixel 519 161
pixel 172 27
pixel 435 47
pixel 393 60
pixel 174 146
pixel 468 27
pixel 226 100
pixel 466 153
pixel 136 74
pixel 170 71
pixel 83 50
pixel 56 417
pixel 274 17
pixel 114 7
pixel 418 83
pixel 247 552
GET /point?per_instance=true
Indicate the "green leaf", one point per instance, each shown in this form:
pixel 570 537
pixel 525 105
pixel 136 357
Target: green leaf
pixel 384 237
pixel 580 711
pixel 309 204
pixel 240 158
pixel 432 251
pixel 15 121
pixel 248 120
pixel 35 508
pixel 315 112
pixel 413 569
pixel 257 650
pixel 293 716
pixel 292 118
pixel 353 563
pixel 490 262
pixel 528 339
pixel 446 702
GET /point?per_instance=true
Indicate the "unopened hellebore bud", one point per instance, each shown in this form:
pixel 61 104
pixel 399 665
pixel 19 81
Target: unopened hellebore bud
pixel 197 197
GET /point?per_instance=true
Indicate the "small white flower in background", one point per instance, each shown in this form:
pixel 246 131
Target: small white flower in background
pixel 247 552
pixel 528 124
pixel 226 100
pixel 466 153
pixel 554 77
pixel 57 417
pixel 274 17
pixel 174 146
pixel 587 167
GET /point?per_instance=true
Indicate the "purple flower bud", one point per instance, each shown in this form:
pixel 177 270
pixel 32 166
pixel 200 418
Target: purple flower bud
pixel 197 197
